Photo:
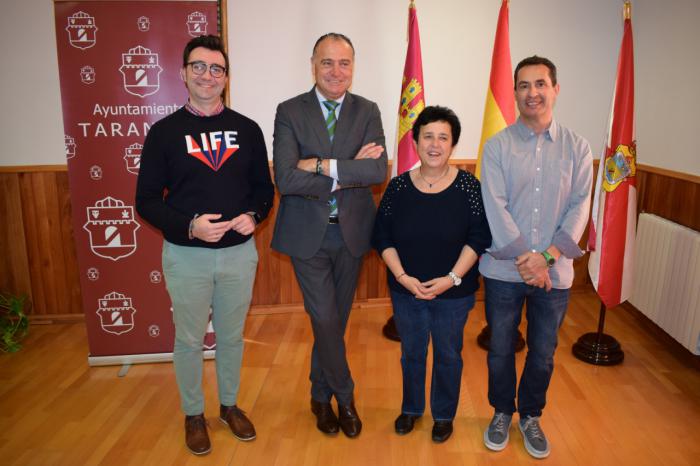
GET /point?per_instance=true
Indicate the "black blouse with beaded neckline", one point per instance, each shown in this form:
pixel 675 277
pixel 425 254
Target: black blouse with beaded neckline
pixel 429 230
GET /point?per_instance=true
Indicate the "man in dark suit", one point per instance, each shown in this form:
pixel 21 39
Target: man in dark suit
pixel 328 149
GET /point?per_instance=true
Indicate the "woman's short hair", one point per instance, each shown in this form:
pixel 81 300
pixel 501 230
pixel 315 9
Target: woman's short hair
pixel 435 113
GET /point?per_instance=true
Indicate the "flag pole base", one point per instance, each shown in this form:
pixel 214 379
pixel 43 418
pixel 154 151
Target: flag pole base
pixel 598 349
pixel 484 339
pixel 389 330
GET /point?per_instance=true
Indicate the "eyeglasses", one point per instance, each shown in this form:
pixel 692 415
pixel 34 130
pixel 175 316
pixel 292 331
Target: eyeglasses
pixel 199 67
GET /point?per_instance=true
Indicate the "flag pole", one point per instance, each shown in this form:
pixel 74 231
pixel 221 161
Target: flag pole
pixel 412 102
pixel 600 348
pixel 499 112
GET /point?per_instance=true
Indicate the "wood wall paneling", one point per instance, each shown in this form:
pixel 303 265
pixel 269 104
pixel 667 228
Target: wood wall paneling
pixel 39 259
pixel 676 199
pixel 47 239
pixel 14 262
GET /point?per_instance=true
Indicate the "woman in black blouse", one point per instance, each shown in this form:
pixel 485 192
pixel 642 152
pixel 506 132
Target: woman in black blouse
pixel 430 231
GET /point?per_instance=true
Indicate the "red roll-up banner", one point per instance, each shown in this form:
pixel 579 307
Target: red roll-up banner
pixel 119 65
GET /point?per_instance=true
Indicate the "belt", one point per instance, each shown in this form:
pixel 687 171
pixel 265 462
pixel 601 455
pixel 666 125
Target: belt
pixel 333 220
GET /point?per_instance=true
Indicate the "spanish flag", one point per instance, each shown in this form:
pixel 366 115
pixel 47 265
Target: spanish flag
pixel 500 102
pixel 612 228
pixel 412 98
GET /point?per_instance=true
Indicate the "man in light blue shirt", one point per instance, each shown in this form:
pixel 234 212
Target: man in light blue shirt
pixel 536 185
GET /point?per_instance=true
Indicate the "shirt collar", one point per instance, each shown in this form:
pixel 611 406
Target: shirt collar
pixel 526 133
pixel 190 108
pixel 321 98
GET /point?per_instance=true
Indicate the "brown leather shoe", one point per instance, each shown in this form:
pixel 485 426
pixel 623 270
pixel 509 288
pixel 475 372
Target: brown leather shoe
pixel 326 421
pixel 349 420
pixel 196 436
pixel 240 425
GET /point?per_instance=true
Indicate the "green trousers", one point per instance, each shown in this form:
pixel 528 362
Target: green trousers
pixel 200 280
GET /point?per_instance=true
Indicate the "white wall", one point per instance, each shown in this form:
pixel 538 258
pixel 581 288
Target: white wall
pixel 32 122
pixel 270 44
pixel 457 36
pixel 667 39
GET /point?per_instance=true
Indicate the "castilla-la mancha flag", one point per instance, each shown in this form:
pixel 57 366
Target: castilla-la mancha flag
pixel 613 219
pixel 412 98
pixel 499 111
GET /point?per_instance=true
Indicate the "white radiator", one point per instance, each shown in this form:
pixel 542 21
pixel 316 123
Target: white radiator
pixel 667 278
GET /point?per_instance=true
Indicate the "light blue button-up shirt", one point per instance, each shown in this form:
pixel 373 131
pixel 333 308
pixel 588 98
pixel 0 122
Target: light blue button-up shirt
pixel 537 192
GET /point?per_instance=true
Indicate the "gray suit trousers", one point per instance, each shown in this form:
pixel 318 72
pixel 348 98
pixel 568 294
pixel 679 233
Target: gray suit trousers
pixel 328 281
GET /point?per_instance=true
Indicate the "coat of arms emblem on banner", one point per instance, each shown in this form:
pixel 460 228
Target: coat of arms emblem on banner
pixel 116 313
pixel 132 156
pixel 112 228
pixel 82 30
pixel 196 24
pixel 141 71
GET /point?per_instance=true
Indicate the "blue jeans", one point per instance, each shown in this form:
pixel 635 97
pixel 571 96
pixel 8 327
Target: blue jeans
pixel 417 321
pixel 545 313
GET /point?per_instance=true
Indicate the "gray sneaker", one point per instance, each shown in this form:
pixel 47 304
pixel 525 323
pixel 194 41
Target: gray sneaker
pixel 496 435
pixel 535 442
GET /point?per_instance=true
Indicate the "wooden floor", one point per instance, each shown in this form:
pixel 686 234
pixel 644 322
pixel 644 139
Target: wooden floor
pixel 54 409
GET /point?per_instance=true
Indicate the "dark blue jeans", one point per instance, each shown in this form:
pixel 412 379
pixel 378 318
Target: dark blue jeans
pixel 545 313
pixel 417 321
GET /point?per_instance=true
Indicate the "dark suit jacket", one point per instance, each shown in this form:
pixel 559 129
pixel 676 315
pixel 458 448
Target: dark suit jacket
pixel 300 132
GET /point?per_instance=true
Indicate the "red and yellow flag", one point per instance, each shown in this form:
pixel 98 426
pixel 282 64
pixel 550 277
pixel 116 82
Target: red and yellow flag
pixel 500 103
pixel 412 98
pixel 612 228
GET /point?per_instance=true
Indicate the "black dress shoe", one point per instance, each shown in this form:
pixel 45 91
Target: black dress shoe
pixel 349 420
pixel 442 431
pixel 326 421
pixel 404 423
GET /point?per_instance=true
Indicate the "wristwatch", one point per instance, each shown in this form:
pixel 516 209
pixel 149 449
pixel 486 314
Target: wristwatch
pixel 456 280
pixel 549 259
pixel 255 216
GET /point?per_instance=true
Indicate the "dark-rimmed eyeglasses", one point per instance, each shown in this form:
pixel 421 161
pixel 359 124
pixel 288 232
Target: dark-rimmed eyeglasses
pixel 199 67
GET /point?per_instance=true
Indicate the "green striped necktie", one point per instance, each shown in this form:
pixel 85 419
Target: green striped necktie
pixel 331 121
